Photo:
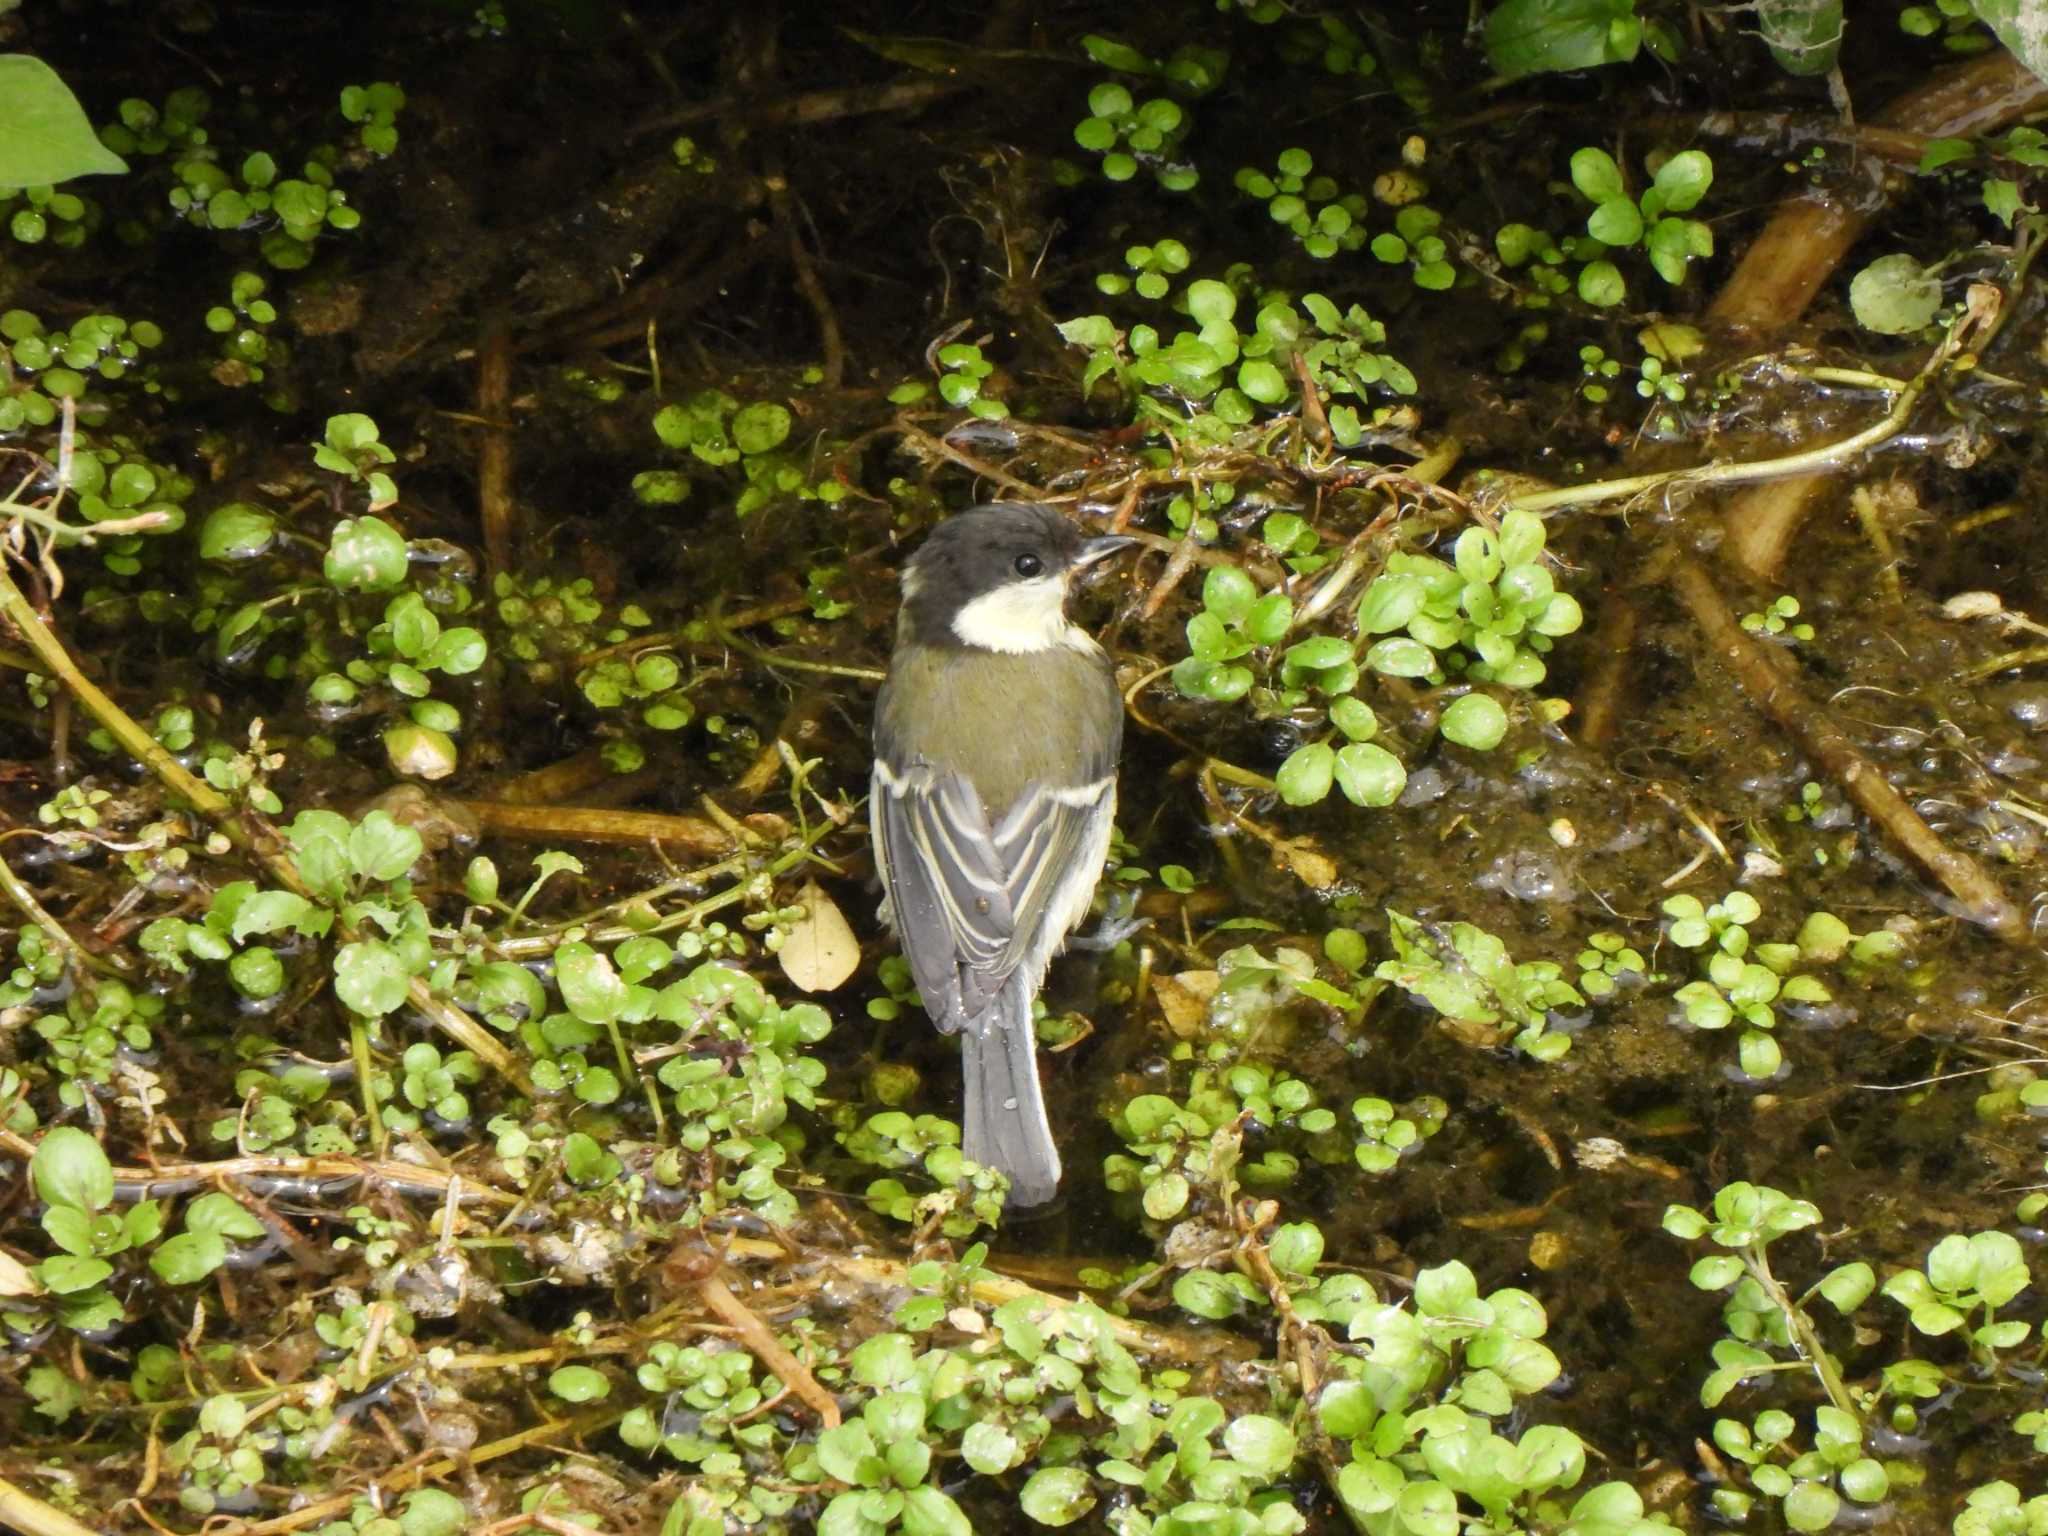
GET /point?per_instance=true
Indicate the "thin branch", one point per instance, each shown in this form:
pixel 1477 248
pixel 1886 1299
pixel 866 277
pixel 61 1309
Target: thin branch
pixel 260 844
pixel 1774 691
pixel 762 1344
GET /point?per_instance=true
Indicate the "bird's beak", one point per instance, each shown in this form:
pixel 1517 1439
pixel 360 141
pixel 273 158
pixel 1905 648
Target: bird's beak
pixel 1093 550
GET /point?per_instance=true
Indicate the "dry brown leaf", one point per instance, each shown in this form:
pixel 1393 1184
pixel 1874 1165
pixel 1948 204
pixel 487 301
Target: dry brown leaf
pixel 820 951
pixel 1184 999
pixel 15 1280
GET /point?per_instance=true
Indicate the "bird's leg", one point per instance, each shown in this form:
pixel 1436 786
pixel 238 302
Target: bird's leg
pixel 1117 923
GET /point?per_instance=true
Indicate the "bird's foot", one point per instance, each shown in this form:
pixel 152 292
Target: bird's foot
pixel 1117 924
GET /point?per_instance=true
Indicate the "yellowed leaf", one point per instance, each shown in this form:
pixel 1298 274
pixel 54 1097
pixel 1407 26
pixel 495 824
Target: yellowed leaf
pixel 15 1280
pixel 821 951
pixel 1184 999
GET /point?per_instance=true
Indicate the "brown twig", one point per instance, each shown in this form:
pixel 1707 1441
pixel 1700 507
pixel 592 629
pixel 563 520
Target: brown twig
pixel 495 507
pixel 938 447
pixel 1773 690
pixel 1808 238
pixel 688 835
pixel 22 1511
pixel 401 1479
pixel 762 1344
pixel 563 779
pixel 782 203
pixel 1311 403
pixel 1178 564
pixel 908 94
pixel 256 839
pixel 174 1178
pixel 1598 706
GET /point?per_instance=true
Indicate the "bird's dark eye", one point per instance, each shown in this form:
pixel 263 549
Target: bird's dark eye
pixel 1027 565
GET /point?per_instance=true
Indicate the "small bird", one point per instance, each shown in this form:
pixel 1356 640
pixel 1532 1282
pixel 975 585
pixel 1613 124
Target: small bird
pixel 996 742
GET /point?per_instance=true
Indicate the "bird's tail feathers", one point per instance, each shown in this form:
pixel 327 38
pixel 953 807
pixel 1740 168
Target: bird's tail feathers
pixel 1006 1125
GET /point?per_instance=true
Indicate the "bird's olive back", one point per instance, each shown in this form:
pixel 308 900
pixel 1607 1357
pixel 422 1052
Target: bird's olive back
pixel 1003 722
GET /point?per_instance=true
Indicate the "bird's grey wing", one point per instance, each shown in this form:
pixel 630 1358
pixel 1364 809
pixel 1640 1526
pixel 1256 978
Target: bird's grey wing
pixel 950 903
pixel 1051 845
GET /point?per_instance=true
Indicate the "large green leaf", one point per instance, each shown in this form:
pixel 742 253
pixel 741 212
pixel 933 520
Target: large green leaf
pixel 45 136
pixel 1530 37
pixel 2022 25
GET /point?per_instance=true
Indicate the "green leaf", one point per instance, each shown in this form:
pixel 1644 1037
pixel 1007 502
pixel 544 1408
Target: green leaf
pixel 1268 620
pixel 1390 602
pixel 760 427
pixel 2001 199
pixel 188 1258
pixel 579 1384
pixel 1527 37
pixel 1476 721
pixel 319 839
pixel 67 1274
pixel 1811 1507
pixel 1684 179
pixel 1296 1248
pixel 989 1448
pixel 71 1169
pixel 224 1216
pixel 239 530
pixel 1804 36
pixel 432 1512
pixel 257 972
pixel 458 652
pixel 1716 1271
pixel 414 628
pixel 365 554
pixel 1228 593
pixel 369 978
pixel 1211 302
pixel 1616 222
pixel 71 1229
pixel 268 911
pixel 1400 656
pixel 1056 1495
pixel 1354 717
pixel 1370 775
pixel 382 849
pixel 1093 331
pixel 1847 1286
pixel 1894 296
pixel 2015 23
pixel 45 136
pixel 1305 777
pixel 1600 284
pixel 1262 381
pixel 1371 1486
pixel 931 1512
pixel 1595 173
pixel 1206 1294
pixel 1260 1442
pixel 591 988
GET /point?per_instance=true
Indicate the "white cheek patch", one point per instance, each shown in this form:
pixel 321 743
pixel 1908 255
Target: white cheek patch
pixel 1020 618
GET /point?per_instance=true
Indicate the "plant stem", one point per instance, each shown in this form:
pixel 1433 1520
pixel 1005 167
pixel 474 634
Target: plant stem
pixel 22 1511
pixel 1759 1266
pixel 262 846
pixel 1763 677
pixel 18 892
pixel 359 1049
pixel 532 945
pixel 1808 461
